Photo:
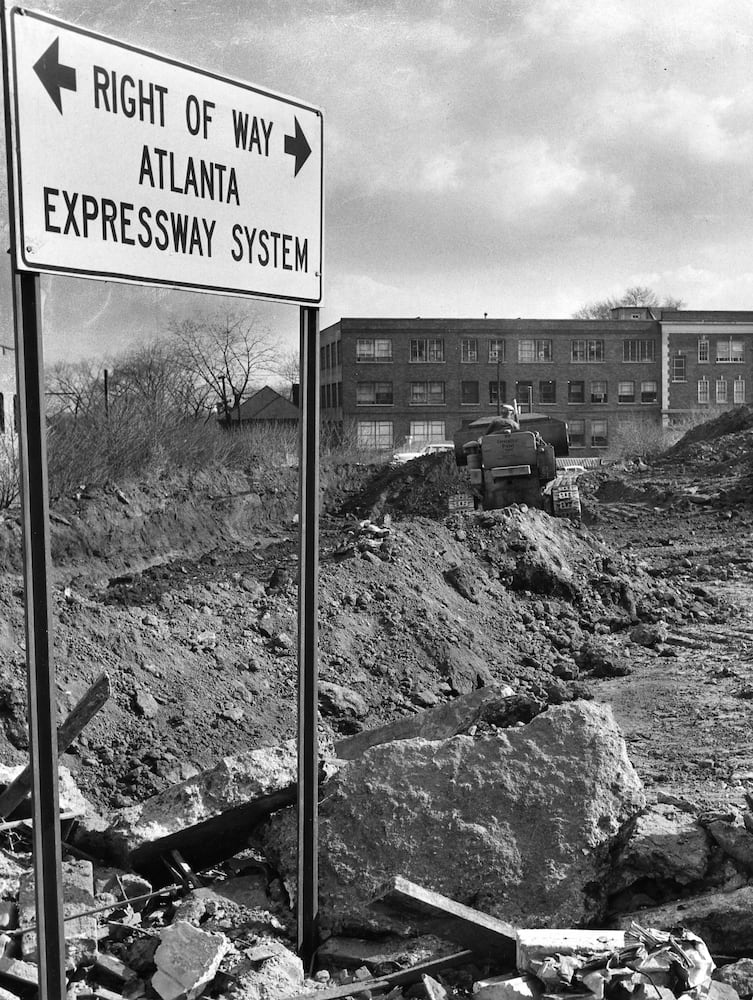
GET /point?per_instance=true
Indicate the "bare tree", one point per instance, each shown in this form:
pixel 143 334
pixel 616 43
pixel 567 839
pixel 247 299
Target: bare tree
pixel 288 368
pixel 74 388
pixel 636 295
pixel 220 355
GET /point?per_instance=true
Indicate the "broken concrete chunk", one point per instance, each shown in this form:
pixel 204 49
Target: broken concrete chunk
pixel 508 988
pixel 338 700
pixel 665 844
pixel 434 724
pixel 434 989
pixel 78 896
pixel 382 955
pixel 187 960
pixel 537 944
pixel 536 810
pixel 734 839
pixel 738 975
pixel 722 991
pixel 272 976
pixel 232 782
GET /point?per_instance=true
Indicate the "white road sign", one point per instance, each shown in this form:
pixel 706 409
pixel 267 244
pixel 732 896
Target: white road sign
pixel 131 166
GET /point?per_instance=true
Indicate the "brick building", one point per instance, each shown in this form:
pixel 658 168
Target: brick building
pixel 394 381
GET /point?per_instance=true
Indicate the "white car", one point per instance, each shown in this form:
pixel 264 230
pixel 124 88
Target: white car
pixel 428 449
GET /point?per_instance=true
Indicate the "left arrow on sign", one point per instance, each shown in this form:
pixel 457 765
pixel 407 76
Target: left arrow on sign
pixel 54 76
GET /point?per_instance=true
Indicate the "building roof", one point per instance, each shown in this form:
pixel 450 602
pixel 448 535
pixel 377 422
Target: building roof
pixel 266 404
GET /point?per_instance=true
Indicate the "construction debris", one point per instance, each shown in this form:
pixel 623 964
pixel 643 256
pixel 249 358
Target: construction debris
pixel 647 963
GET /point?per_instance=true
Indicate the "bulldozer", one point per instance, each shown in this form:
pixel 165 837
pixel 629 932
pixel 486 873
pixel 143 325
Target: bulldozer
pixel 509 460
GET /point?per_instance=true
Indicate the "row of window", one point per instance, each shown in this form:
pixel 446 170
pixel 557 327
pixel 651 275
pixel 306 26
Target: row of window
pixel 728 350
pixel 433 392
pixel 330 355
pixel 379 434
pixel 721 393
pixel 432 350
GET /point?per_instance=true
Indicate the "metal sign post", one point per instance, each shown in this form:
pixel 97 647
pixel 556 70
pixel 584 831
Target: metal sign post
pixel 308 603
pixel 41 673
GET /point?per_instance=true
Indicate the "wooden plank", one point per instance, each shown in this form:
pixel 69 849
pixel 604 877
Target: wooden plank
pixel 478 931
pixel 411 975
pixel 76 721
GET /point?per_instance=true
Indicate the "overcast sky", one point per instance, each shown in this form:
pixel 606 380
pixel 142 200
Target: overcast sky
pixel 509 157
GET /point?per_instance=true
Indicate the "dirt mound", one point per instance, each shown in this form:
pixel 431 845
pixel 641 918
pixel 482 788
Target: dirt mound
pixel 720 444
pixel 420 487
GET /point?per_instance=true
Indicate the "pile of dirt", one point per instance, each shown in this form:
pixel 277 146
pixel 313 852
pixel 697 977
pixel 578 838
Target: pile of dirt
pixel 419 488
pixel 722 445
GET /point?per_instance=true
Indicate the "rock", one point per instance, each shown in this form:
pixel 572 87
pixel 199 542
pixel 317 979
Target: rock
pixel 734 839
pixel 724 920
pixel 649 635
pixel 465 581
pixel 433 989
pixel 382 955
pixel 187 960
pixel 665 844
pixel 511 987
pixel 519 823
pixel 338 700
pixel 463 669
pixel 232 782
pixel 439 723
pixel 271 972
pixel 739 975
pixel 78 895
pixel 603 659
pixel 71 797
pixel 722 991
pixel 145 704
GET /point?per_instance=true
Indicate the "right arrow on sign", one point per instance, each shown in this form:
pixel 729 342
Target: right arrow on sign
pixel 56 77
pixel 297 146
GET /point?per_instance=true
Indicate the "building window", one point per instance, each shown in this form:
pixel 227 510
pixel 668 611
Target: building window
pixel 703 390
pixel 649 392
pixel 598 433
pixel 373 349
pixel 679 371
pixel 703 349
pixel 587 351
pixel 339 351
pixel 577 433
pixel 427 431
pixel 638 350
pixel 496 351
pixel 469 393
pixel 427 349
pixel 548 392
pixel 576 392
pixel 469 350
pixel 599 392
pixel 721 390
pixel 497 392
pixel 374 394
pixel 524 393
pixel 729 352
pixel 534 350
pixel 738 392
pixel 374 434
pixel 426 393
pixel 626 392
pixel 323 358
